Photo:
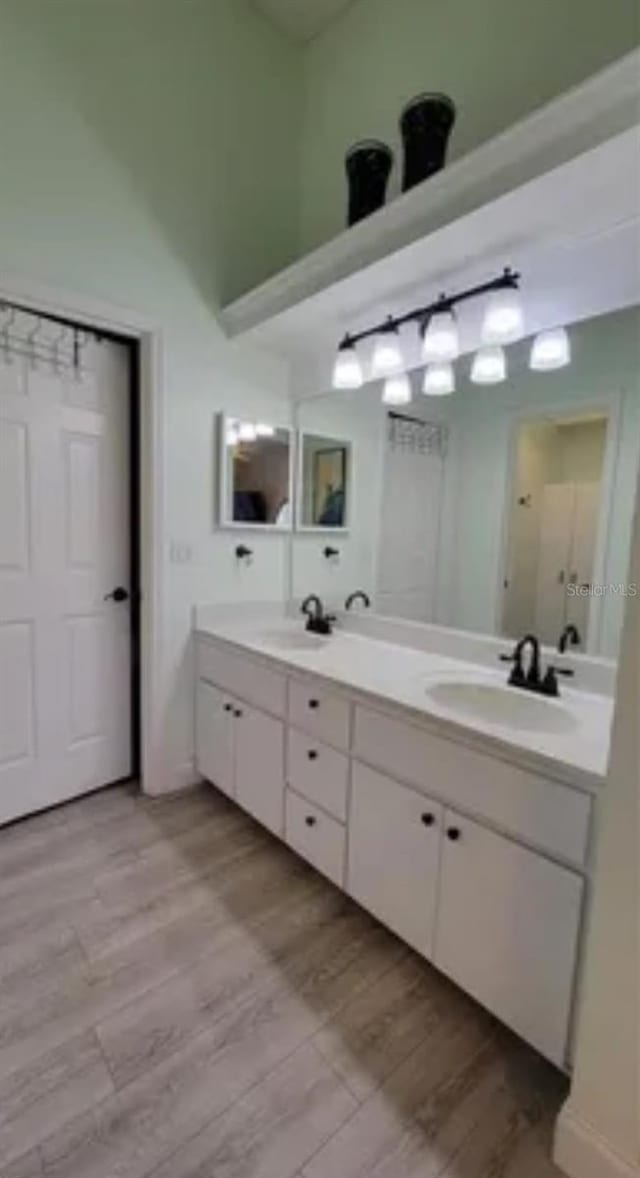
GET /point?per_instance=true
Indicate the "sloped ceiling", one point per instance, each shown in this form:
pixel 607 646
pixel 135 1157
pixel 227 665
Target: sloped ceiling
pixel 301 19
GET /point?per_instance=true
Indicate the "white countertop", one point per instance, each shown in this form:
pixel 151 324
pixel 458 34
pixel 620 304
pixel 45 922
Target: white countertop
pixel 402 676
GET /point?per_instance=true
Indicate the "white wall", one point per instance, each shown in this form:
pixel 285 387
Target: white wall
pixel 134 139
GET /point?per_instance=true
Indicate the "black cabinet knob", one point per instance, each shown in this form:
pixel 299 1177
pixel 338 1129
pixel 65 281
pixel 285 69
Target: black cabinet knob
pixel 310 820
pixel 312 754
pixel 228 707
pixel 237 713
pixel 427 819
pixel 453 833
pixel 314 703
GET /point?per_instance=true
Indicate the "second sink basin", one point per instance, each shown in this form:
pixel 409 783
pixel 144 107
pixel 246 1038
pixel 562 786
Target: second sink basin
pixel 509 706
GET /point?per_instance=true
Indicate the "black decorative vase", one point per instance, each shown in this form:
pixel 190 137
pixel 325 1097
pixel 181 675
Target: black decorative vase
pixel 425 124
pixel 368 166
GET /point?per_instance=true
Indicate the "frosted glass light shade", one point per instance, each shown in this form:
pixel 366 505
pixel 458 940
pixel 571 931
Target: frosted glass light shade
pixel 441 339
pixel 387 356
pixel 397 390
pixel 347 370
pixel 504 318
pixel 550 349
pixel 247 431
pixel 489 366
pixel 439 380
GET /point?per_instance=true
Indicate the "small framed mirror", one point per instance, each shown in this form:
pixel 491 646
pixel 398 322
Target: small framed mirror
pixel 324 478
pixel 256 474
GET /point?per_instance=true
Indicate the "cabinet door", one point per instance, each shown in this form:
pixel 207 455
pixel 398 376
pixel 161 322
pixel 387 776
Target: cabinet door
pixel 507 931
pixel 394 835
pixel 260 766
pixel 215 737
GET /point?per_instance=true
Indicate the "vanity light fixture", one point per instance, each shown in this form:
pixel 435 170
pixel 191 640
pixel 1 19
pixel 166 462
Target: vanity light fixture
pixel 397 390
pixel 247 431
pixel 441 340
pixel 438 327
pixel 550 349
pixel 265 431
pixel 439 380
pixel 489 366
pixel 347 370
pixel 503 321
pixel 387 359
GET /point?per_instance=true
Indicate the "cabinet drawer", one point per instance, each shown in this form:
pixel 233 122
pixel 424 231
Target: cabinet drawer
pixel 318 772
pixel 319 839
pixel 546 813
pixel 242 676
pixel 319 712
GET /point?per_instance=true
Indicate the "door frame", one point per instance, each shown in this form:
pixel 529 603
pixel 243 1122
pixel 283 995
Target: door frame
pixel 609 405
pixel 135 328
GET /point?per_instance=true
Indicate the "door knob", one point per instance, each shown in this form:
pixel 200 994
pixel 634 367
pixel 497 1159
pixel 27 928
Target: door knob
pixel 118 594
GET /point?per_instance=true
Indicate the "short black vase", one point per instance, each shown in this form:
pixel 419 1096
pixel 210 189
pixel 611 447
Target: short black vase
pixel 368 166
pixel 426 124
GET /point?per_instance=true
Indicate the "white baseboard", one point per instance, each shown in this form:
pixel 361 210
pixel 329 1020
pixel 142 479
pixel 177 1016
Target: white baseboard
pixel 181 777
pixel 581 1152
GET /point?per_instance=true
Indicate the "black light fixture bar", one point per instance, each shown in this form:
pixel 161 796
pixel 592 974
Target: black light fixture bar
pixel 508 280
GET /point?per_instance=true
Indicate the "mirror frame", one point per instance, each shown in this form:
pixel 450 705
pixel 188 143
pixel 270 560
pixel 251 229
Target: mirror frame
pixel 322 529
pixel 224 523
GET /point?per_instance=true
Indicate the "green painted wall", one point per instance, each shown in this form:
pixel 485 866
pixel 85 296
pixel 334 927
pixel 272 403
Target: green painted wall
pixel 499 59
pixel 139 125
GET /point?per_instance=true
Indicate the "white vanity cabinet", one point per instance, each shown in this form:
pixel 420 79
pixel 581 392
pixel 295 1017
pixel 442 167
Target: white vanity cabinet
pixel 507 930
pixel 476 861
pixel 240 749
pixel 394 849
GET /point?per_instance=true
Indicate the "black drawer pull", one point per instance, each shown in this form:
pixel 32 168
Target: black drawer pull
pixel 453 833
pixel 310 820
pixel 312 754
pixel 314 703
pixel 427 819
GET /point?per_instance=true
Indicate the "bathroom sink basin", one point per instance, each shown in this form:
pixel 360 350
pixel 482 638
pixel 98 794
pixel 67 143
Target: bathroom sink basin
pixel 509 706
pixel 294 640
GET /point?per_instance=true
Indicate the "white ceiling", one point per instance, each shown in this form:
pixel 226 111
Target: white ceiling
pixel 301 19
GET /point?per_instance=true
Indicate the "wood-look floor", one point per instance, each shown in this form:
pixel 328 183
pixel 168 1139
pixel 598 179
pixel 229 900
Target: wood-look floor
pixel 180 996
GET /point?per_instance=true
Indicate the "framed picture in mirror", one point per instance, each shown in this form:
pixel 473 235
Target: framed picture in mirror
pixel 324 478
pixel 255 465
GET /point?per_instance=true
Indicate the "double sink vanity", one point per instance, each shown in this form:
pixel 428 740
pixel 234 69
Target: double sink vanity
pixel 456 809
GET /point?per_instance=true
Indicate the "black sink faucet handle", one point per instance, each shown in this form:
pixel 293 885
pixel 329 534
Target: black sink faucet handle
pixel 358 595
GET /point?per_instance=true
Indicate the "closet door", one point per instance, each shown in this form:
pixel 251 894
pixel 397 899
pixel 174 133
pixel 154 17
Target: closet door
pixel 556 523
pixel 583 545
pixel 65 644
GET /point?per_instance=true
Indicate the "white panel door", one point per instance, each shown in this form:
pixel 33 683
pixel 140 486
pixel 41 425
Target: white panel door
pixel 394 840
pixel 260 766
pixel 556 521
pixel 65 651
pixel 583 546
pixel 507 931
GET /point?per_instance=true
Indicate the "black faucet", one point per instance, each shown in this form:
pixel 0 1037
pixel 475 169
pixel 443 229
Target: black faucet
pixel 532 679
pixel 570 635
pixel 318 622
pixel 358 594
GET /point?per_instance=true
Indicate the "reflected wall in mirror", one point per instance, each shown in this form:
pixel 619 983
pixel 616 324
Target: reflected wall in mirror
pixel 323 482
pixel 499 508
pixel 256 474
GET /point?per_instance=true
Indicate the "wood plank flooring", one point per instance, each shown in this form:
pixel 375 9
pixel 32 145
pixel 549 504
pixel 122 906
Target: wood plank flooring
pixel 182 997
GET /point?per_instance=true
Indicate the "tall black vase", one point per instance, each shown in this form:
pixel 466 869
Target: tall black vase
pixel 368 165
pixel 426 124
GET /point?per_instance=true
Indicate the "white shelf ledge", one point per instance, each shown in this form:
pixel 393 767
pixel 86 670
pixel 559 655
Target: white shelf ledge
pixel 587 116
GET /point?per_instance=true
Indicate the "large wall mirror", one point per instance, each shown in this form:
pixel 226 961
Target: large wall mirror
pixel 499 508
pixel 255 462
